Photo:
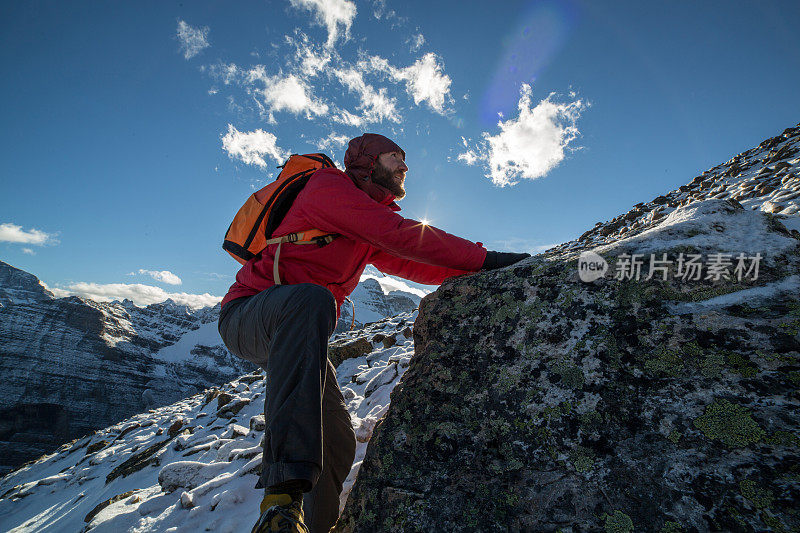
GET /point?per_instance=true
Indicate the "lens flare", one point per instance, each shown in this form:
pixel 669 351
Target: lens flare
pixel 527 51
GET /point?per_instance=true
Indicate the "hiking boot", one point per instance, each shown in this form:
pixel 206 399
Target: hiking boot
pixel 285 516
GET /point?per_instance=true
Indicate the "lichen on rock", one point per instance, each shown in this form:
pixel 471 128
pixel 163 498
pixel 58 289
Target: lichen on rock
pixel 538 402
pixel 730 423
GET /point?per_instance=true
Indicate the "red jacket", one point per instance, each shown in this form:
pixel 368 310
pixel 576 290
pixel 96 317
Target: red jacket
pixel 371 232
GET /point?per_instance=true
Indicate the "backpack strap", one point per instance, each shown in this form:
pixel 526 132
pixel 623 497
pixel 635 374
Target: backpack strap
pixel 313 236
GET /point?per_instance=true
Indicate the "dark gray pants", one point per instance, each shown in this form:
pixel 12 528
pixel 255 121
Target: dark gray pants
pixel 285 329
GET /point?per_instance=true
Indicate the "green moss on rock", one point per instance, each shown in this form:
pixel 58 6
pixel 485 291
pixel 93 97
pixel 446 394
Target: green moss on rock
pixel 774 523
pixel 711 365
pixel 571 376
pixel 590 421
pixel 671 527
pixel 664 362
pixel 730 423
pixel 759 497
pixel 582 459
pixel 783 438
pixel 741 364
pixel 619 522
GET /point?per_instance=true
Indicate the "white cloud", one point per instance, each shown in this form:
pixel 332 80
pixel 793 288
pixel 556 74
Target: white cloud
pixel 251 147
pixel 225 72
pixel 309 58
pixel 28 251
pixel 332 14
pixel 193 40
pixel 217 276
pixel 12 233
pixel 530 145
pixel 469 157
pixel 380 11
pixel 343 116
pixel 425 80
pixel 416 41
pixel 332 142
pixel 164 276
pixel 308 68
pixel 141 295
pixel 292 94
pixel 286 93
pixel 376 104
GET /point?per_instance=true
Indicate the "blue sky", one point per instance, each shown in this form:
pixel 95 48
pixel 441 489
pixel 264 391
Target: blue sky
pixel 132 132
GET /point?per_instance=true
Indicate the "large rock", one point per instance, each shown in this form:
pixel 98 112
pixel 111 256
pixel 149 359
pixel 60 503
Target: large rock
pixel 539 402
pixel 344 349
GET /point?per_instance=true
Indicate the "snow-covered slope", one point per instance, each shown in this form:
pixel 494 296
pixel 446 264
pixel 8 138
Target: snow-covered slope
pixel 181 467
pixel 72 365
pixel 765 178
pixel 191 466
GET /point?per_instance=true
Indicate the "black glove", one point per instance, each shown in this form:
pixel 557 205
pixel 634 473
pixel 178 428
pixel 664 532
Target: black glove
pixel 501 259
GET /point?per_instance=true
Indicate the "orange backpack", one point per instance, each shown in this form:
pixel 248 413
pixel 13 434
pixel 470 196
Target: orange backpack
pixel 252 227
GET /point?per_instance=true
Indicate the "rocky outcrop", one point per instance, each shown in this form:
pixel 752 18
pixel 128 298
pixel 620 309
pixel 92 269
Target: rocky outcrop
pixel 540 402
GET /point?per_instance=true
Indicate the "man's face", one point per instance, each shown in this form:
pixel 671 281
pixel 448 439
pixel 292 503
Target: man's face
pixel 390 172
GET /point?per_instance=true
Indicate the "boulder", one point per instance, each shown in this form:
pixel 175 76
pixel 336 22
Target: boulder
pixel 539 402
pixel 342 350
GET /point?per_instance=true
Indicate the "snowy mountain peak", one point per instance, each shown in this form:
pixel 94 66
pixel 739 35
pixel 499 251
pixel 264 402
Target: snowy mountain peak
pixel 393 284
pixel 19 286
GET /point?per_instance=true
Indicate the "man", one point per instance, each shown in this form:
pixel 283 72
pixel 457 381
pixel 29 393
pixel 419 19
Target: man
pixel 309 443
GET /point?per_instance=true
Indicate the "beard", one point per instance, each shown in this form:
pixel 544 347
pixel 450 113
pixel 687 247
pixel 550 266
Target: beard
pixel 385 178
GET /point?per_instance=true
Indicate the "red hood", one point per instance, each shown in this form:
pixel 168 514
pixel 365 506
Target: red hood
pixel 360 158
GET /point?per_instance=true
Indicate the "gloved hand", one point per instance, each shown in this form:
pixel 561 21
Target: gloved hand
pixel 501 259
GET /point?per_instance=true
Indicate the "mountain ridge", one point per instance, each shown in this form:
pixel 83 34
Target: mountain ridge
pixel 62 356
